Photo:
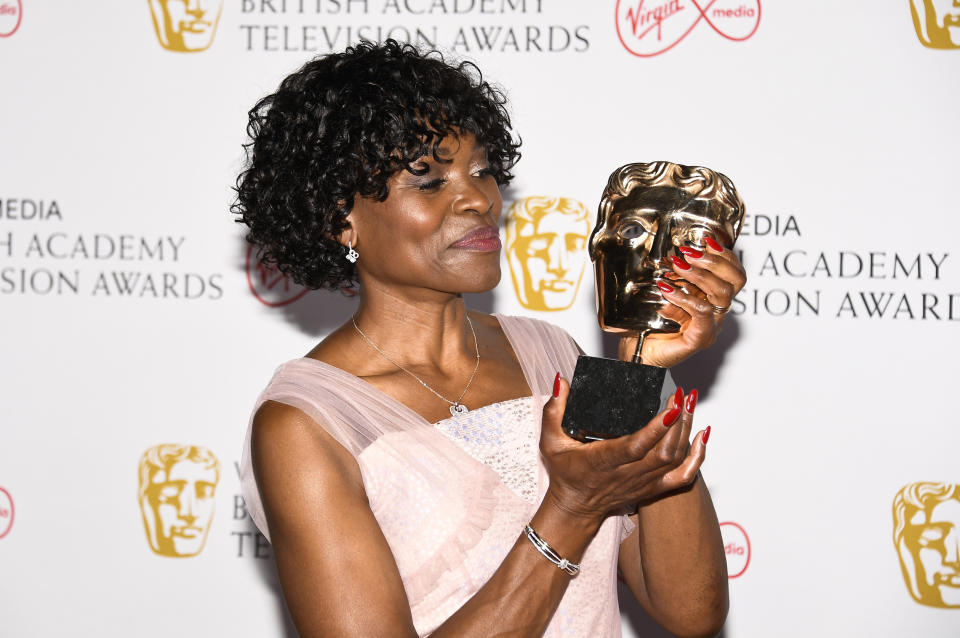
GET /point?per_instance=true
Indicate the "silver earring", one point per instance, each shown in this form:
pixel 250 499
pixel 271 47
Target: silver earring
pixel 351 255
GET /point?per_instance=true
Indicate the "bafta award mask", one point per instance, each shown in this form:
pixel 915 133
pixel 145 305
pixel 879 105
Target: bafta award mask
pixel 926 531
pixel 647 212
pixel 177 487
pixel 185 25
pixel 546 237
pixel 937 23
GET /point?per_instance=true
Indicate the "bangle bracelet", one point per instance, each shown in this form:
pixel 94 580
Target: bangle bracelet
pixel 549 553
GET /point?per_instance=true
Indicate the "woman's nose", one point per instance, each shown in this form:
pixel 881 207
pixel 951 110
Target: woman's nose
pixel 475 199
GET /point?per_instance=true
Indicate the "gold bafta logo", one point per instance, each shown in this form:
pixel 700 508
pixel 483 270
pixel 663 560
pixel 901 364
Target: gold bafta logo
pixel 926 532
pixel 177 487
pixel 185 25
pixel 546 250
pixel 937 23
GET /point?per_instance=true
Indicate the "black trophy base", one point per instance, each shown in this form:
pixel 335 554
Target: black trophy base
pixel 610 398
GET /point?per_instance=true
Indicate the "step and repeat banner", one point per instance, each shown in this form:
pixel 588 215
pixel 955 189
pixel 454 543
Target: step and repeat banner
pixel 138 328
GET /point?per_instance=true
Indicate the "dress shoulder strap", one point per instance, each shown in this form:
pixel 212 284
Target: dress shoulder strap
pixel 543 350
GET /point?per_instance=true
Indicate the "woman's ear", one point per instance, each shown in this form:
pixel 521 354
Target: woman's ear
pixel 348 236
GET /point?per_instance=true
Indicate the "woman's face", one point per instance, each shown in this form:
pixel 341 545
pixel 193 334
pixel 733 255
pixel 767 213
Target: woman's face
pixel 437 231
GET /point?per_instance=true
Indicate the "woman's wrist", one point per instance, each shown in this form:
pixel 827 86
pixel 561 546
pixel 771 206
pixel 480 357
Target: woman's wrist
pixel 567 529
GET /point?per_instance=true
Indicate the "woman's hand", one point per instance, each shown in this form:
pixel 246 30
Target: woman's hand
pixel 591 480
pixel 703 284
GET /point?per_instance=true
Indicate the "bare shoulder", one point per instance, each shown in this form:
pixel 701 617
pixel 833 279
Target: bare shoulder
pixel 313 497
pixel 293 454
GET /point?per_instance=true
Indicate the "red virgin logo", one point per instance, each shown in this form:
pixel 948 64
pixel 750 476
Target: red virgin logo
pixel 650 27
pixel 11 13
pixel 270 286
pixel 736 545
pixel 6 512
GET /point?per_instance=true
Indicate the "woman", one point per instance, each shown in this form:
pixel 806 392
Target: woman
pixel 410 471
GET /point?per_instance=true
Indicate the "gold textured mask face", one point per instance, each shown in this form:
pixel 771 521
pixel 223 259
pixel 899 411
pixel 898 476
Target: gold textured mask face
pixel 177 488
pixel 937 23
pixel 546 237
pixel 648 211
pixel 927 537
pixel 185 25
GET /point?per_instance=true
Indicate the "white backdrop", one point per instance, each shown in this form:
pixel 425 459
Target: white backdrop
pixel 130 317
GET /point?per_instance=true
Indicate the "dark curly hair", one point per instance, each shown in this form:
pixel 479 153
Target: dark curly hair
pixel 340 127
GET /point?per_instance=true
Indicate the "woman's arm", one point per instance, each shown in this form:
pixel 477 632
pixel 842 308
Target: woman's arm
pixel 336 569
pixel 338 575
pixel 674 561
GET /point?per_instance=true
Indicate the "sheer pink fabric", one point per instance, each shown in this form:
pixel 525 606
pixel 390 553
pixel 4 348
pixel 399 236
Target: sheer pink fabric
pixel 453 497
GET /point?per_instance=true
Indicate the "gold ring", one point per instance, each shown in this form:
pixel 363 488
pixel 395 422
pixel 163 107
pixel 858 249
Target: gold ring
pixel 721 310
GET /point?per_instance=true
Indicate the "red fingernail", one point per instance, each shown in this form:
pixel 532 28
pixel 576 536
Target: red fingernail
pixel 713 244
pixel 664 286
pixel 670 274
pixel 679 263
pixel 670 417
pixel 691 252
pixel 692 401
pixel 706 435
pixel 677 397
pixel 556 386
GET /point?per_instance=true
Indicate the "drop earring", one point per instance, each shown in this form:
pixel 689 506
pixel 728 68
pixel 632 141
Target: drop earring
pixel 351 255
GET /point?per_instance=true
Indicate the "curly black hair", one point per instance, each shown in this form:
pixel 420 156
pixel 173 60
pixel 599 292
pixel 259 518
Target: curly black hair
pixel 340 127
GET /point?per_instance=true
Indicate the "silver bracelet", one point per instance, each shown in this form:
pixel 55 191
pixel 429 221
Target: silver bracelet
pixel 549 553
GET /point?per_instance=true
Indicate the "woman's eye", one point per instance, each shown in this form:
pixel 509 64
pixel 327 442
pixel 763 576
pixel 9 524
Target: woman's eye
pixel 485 172
pixel 632 231
pixel 433 184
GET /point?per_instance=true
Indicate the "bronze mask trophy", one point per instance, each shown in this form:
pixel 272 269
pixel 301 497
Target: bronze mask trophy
pixel 648 210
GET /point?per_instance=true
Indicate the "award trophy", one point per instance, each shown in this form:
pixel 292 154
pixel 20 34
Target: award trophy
pixel 648 210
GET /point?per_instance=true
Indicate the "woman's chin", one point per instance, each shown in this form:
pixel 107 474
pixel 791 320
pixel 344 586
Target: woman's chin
pixel 481 282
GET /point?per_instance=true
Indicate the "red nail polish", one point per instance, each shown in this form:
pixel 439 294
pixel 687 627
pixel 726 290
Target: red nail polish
pixel 670 417
pixel 556 386
pixel 664 286
pixel 670 274
pixel 706 435
pixel 677 397
pixel 679 263
pixel 713 243
pixel 691 252
pixel 692 401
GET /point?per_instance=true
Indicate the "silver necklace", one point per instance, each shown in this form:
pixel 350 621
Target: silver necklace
pixel 455 406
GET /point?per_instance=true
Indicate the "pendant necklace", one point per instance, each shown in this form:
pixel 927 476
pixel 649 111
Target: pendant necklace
pixel 455 406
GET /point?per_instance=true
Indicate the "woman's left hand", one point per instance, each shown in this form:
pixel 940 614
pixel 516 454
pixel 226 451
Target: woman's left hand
pixel 716 275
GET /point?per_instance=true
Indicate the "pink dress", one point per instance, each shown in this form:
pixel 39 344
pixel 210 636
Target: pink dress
pixel 452 497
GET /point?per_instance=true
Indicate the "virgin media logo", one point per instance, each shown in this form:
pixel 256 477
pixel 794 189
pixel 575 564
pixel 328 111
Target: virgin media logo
pixel 270 286
pixel 650 27
pixel 6 512
pixel 11 13
pixel 736 545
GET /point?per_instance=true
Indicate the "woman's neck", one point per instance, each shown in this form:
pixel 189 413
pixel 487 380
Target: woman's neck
pixel 429 329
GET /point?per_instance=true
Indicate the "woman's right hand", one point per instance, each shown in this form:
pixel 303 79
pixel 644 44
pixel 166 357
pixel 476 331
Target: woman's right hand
pixel 591 480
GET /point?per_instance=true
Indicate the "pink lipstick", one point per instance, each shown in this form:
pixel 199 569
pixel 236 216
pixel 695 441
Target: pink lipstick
pixel 483 239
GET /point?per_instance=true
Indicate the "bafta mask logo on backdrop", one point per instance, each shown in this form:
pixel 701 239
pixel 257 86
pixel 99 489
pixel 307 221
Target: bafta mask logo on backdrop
pixel 11 15
pixel 176 491
pixel 937 23
pixel 270 286
pixel 186 26
pixel 546 237
pixel 736 545
pixel 6 512
pixel 926 533
pixel 650 27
